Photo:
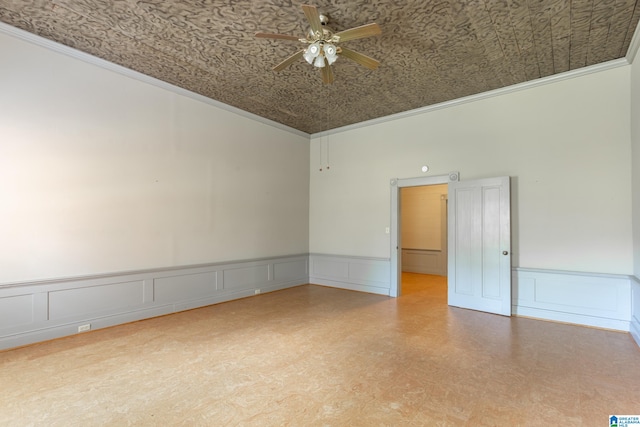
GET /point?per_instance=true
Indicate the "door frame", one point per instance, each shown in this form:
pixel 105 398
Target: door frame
pixel 396 247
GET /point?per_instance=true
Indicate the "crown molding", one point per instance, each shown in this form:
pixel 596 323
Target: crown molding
pixel 634 46
pixel 85 57
pixel 127 72
pixel 484 95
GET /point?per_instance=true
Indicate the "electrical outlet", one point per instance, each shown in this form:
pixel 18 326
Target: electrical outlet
pixel 257 291
pixel 84 328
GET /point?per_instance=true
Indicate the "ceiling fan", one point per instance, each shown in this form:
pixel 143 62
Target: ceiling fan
pixel 322 49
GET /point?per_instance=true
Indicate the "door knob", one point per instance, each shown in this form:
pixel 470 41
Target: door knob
pixel 505 253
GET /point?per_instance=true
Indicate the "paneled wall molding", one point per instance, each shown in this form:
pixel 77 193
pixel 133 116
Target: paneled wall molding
pixel 591 299
pixel 350 272
pixel 634 328
pixel 43 310
pixel 37 311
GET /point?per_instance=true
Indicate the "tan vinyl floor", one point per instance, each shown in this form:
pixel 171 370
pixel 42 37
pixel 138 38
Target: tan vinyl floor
pixel 318 356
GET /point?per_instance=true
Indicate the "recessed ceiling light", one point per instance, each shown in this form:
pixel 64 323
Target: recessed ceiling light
pixel 425 168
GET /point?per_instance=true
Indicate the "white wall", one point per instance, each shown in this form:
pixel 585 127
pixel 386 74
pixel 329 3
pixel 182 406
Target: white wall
pixel 635 142
pixel 103 173
pixel 566 146
pixel 634 327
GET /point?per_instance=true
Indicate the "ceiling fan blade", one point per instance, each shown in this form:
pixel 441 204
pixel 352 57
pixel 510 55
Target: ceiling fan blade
pixel 311 12
pixel 290 60
pixel 361 59
pixel 277 36
pixel 327 73
pixel 360 32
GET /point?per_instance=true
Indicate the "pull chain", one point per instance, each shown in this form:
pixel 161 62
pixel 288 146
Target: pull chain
pixel 328 153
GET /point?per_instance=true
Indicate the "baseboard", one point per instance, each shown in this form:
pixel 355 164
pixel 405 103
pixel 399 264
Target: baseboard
pixel 350 286
pixel 590 299
pixel 347 272
pixel 44 310
pixel 576 319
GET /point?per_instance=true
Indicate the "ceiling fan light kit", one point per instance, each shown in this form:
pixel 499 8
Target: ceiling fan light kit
pixel 330 53
pixel 316 55
pixel 322 51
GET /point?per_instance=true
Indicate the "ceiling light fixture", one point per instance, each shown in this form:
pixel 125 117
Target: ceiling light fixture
pixel 312 52
pixel 330 52
pixel 322 49
pixel 317 52
pixel 321 46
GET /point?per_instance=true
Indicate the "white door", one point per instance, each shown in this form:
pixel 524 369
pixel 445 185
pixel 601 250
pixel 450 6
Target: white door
pixel 480 245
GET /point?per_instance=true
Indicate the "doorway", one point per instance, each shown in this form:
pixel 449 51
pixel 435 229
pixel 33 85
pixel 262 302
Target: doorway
pixel 479 241
pixel 423 238
pixel 396 238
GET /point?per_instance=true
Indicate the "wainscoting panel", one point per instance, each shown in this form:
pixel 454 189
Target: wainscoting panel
pixel 78 302
pixel 290 270
pixel 245 277
pixel 16 310
pixel 38 311
pixel 634 328
pixel 600 300
pixel 185 287
pixel 359 274
pixel 424 262
pixel 333 267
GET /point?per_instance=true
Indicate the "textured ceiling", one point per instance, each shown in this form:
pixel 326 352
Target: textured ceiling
pixel 430 51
